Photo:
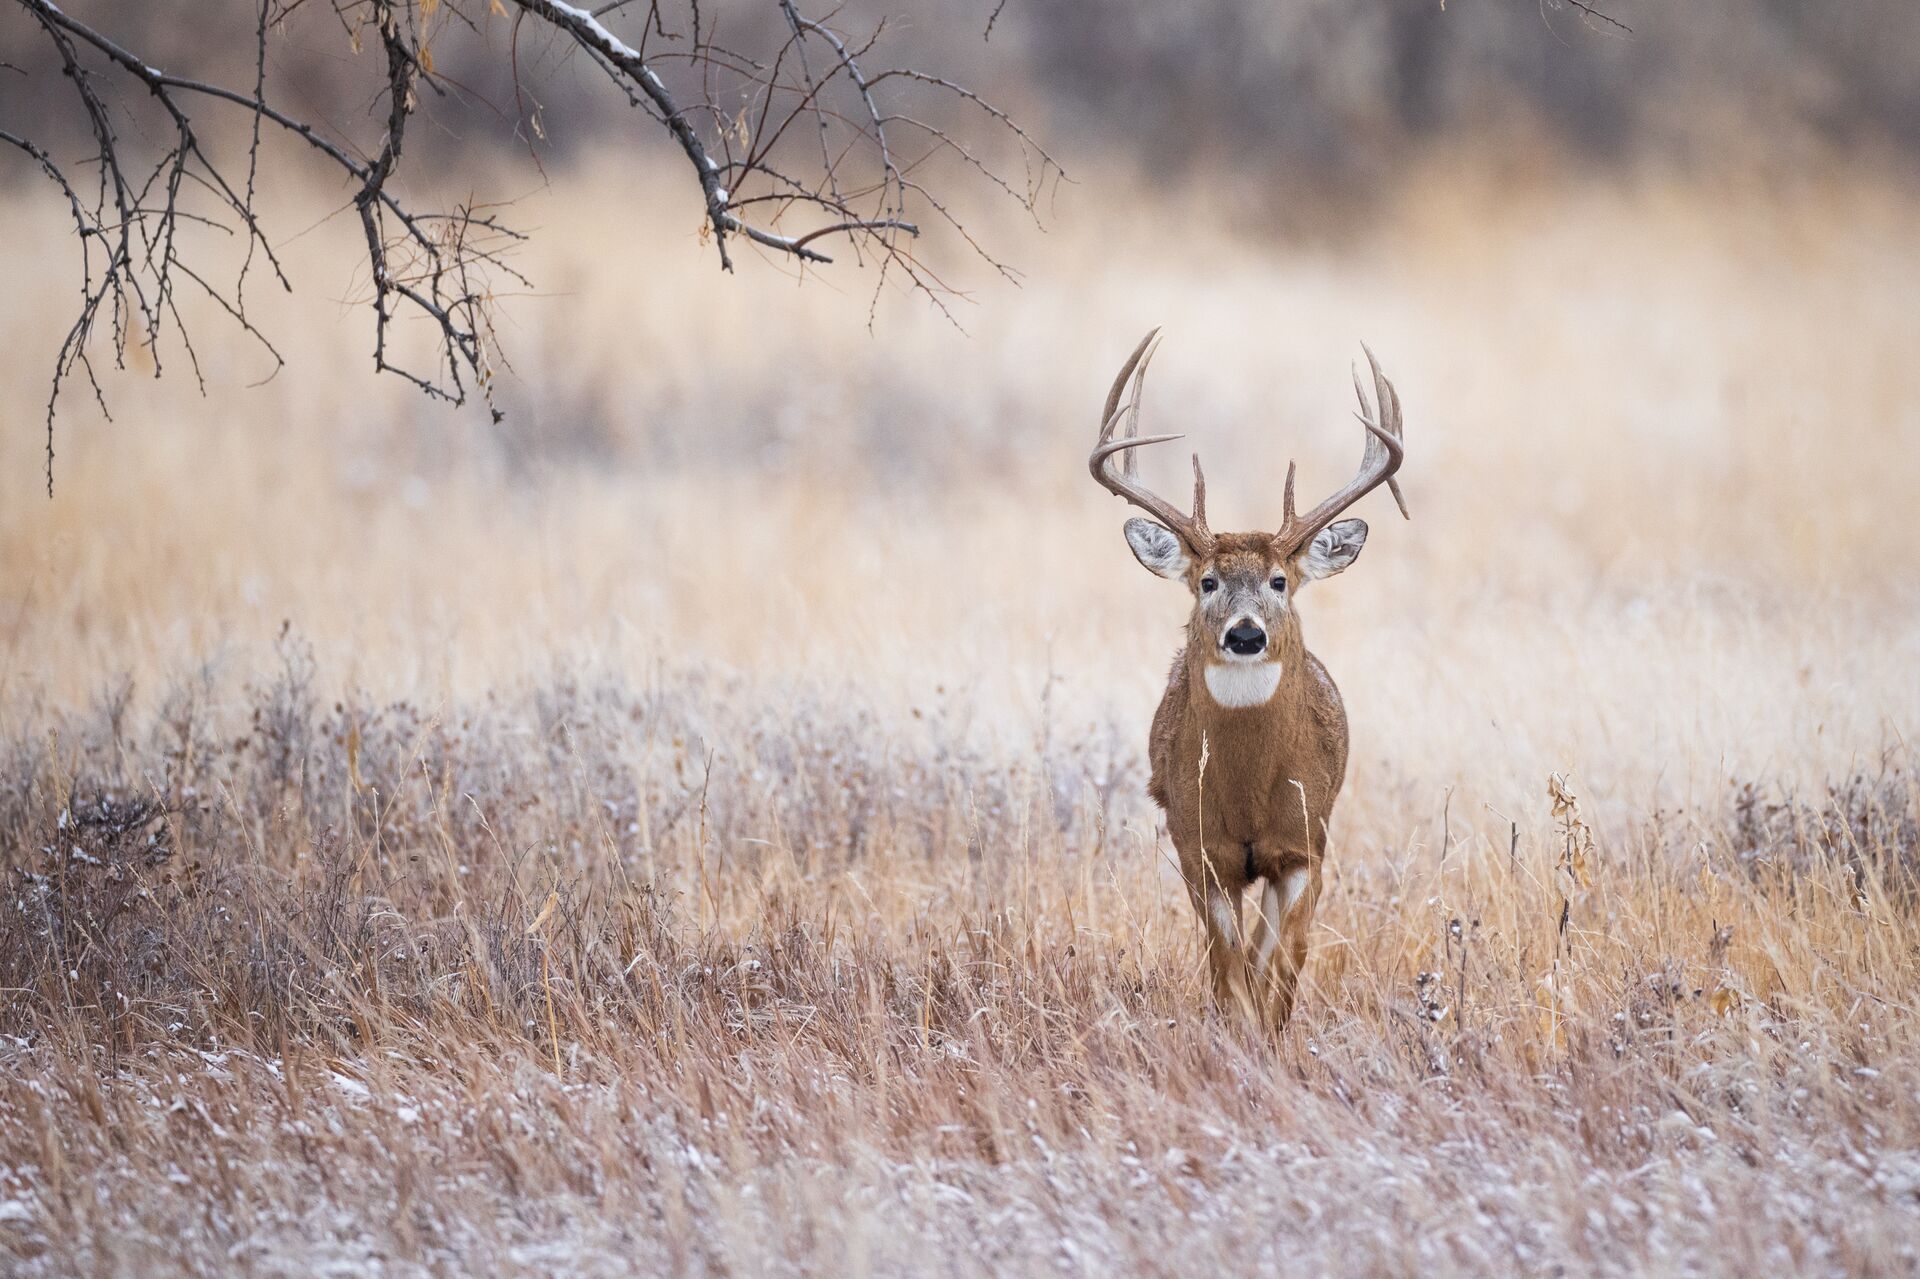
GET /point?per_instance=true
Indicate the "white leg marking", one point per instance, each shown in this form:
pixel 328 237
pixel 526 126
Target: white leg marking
pixel 1237 685
pixel 1224 920
pixel 1271 912
pixel 1294 882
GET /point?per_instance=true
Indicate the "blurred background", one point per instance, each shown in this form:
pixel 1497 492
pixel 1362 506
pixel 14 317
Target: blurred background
pixel 1643 275
pixel 1281 105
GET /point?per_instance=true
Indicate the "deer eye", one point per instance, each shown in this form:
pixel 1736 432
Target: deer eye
pixel 1209 584
pixel 1279 583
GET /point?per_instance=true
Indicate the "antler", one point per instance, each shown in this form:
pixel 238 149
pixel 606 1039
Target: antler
pixel 1191 529
pixel 1386 449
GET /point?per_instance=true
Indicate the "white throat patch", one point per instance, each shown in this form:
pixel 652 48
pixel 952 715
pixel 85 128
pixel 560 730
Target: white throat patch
pixel 1239 684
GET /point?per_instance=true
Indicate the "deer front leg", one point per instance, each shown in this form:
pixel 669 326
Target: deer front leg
pixel 1226 957
pixel 1286 908
pixel 1266 935
pixel 1266 924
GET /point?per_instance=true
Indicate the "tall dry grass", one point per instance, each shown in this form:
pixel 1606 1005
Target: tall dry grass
pixel 698 826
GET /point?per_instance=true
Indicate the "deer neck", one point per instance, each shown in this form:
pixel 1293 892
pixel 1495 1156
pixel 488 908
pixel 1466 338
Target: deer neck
pixel 1245 693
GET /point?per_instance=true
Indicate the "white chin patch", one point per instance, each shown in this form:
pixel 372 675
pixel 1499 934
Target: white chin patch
pixel 1242 684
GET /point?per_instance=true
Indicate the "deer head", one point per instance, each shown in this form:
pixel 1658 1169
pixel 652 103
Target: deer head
pixel 1244 584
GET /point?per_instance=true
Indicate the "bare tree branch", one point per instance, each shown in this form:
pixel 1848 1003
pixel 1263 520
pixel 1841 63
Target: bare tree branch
pixel 1594 13
pixel 732 114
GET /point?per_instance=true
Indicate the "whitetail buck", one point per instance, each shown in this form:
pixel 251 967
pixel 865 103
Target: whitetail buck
pixel 1249 745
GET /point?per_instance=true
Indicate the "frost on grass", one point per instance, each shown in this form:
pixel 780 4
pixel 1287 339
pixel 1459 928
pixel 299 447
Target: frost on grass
pixel 709 975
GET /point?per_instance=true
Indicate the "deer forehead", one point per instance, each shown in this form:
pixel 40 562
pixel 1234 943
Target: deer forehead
pixel 1242 556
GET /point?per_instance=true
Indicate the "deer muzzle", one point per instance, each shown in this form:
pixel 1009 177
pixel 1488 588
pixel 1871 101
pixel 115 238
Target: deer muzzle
pixel 1245 638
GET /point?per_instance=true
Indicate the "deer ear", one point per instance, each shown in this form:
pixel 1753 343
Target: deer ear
pixel 1157 548
pixel 1333 548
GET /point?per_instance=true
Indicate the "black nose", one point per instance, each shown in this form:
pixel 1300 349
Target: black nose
pixel 1246 639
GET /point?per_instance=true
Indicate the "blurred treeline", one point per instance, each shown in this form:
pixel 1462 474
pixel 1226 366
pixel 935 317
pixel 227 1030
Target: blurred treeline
pixel 1255 92
pixel 1351 88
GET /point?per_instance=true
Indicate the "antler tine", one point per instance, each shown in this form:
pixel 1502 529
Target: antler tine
pixel 1384 452
pixel 1129 460
pixel 1192 529
pixel 1108 415
pixel 1388 402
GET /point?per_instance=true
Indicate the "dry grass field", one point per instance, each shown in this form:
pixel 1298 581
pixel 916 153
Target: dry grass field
pixel 698 826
